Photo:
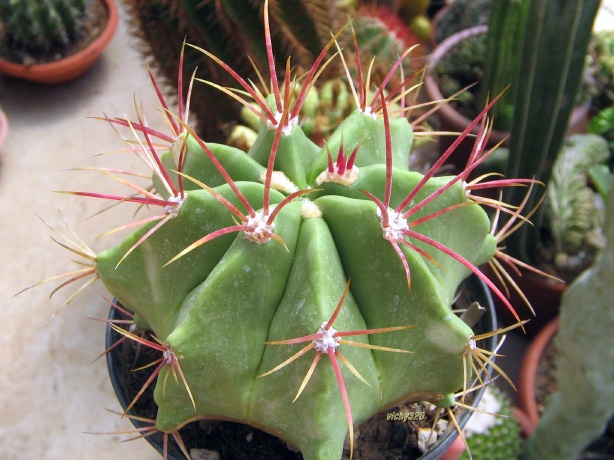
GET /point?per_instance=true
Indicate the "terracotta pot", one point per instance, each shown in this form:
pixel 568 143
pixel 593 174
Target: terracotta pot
pixel 120 362
pixel 67 69
pixel 451 120
pixel 600 447
pixel 528 370
pixel 526 428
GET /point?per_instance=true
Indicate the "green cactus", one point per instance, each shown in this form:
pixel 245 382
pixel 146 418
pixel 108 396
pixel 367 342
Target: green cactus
pixel 33 27
pixel 231 31
pixel 261 263
pixel 579 411
pixel 496 438
pixel 601 66
pixel 461 14
pixel 574 211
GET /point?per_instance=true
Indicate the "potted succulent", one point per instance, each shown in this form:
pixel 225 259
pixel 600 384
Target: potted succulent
pixel 582 408
pixel 484 60
pixel 601 66
pixel 459 15
pixel 297 288
pixel 539 111
pixel 542 108
pixel 571 235
pixel 54 41
pixel 231 31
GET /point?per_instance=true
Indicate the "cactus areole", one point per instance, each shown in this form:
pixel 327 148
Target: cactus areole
pixel 297 288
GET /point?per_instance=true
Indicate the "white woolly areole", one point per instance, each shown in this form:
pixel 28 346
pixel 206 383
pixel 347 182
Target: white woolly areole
pixel 286 130
pixel 369 111
pixel 396 224
pixel 465 185
pixel 309 209
pixel 281 182
pixel 327 341
pixel 169 356
pixel 348 177
pixel 262 231
pixel 472 344
pixel 169 209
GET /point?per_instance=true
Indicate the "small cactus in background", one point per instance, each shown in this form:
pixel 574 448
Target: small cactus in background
pixel 313 283
pixel 35 27
pixel 574 211
pixel 493 437
pixel 231 31
pixel 601 66
pixel 460 15
pixel 580 411
pixel 381 38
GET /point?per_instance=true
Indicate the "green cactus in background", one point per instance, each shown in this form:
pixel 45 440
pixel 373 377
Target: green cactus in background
pixel 231 31
pixel 574 211
pixel 313 284
pixel 495 438
pixel 601 66
pixel 34 27
pixel 579 411
pixel 460 15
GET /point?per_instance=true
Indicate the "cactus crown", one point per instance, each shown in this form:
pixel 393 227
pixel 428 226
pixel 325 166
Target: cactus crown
pixel 34 27
pixel 313 284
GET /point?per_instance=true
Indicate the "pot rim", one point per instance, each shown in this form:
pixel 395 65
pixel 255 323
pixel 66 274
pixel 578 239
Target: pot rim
pixel 489 322
pixel 528 370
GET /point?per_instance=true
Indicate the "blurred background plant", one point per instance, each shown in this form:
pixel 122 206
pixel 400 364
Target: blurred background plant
pixel 574 209
pixel 300 29
pixel 496 437
pixel 459 15
pixel 601 69
pixel 33 29
pixel 582 409
pixel 555 40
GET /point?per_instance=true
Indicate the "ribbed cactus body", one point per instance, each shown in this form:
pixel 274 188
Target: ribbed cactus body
pixel 219 304
pixel 34 26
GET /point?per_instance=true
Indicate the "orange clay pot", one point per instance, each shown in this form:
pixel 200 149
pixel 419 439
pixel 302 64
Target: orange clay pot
pixel 528 370
pixel 65 70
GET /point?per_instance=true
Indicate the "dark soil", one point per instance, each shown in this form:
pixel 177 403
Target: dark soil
pixel 96 21
pixel 545 379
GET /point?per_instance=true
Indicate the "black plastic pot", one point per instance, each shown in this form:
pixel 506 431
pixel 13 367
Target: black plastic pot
pixel 121 361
